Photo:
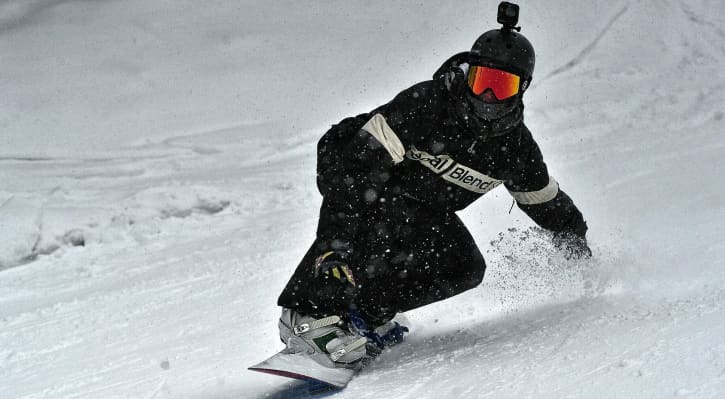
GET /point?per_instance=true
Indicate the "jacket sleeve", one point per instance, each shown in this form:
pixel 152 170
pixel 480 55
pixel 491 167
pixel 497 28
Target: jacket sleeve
pixel 354 160
pixel 356 157
pixel 538 194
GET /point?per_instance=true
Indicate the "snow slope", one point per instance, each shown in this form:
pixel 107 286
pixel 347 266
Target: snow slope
pixel 157 189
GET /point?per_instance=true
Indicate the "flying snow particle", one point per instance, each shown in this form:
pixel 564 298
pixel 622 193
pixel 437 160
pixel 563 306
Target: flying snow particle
pixel 371 195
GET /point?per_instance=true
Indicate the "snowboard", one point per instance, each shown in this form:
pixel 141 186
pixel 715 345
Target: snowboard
pixel 317 380
pixel 302 367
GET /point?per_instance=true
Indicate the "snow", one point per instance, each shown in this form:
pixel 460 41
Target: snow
pixel 157 190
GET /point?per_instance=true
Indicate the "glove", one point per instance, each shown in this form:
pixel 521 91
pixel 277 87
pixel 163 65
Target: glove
pixel 332 265
pixel 573 246
pixel 452 74
pixel 384 336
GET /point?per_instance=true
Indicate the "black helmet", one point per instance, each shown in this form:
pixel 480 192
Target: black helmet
pixel 505 48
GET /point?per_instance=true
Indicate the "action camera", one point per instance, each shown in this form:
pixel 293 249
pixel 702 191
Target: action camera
pixel 508 15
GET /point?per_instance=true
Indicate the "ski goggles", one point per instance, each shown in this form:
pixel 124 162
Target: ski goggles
pixel 503 84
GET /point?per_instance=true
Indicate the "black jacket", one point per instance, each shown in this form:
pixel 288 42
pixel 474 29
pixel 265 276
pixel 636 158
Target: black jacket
pixel 418 151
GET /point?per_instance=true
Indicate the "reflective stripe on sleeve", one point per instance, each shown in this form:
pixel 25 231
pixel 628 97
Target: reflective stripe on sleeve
pixel 378 127
pixel 546 194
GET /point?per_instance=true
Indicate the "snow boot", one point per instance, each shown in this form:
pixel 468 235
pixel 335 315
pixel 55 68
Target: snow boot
pixel 325 340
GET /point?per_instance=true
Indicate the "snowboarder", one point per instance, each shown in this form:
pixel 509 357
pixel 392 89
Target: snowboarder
pixel 388 238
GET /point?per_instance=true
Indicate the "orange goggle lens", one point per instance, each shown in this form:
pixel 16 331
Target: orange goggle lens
pixel 503 84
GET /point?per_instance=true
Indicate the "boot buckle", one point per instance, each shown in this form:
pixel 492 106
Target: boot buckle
pixel 301 329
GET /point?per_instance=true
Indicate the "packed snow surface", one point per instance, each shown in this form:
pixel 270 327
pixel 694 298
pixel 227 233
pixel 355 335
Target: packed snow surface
pixel 157 188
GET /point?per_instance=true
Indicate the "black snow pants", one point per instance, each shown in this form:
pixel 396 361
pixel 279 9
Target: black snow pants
pixel 401 260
